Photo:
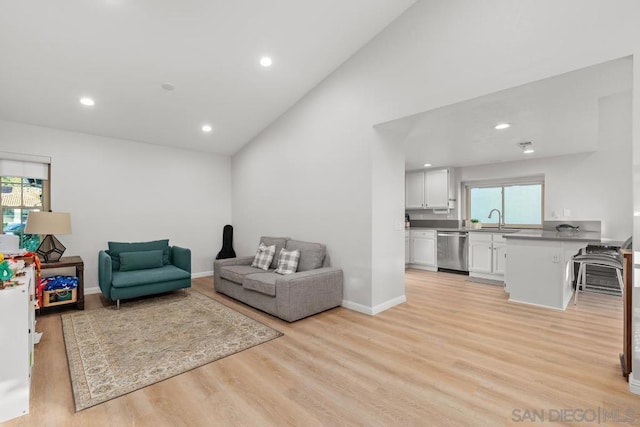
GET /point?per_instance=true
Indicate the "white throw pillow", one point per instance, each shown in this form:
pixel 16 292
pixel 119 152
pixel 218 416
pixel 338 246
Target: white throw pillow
pixel 264 256
pixel 288 261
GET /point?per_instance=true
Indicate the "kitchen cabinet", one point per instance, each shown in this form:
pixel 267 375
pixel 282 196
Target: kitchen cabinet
pixel 17 315
pixel 414 190
pixel 423 249
pixel 487 255
pixel 541 272
pixel 407 247
pixel 432 189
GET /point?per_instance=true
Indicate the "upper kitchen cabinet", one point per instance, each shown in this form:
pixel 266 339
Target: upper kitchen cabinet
pixel 432 189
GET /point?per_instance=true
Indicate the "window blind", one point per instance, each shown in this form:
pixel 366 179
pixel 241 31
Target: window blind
pixel 25 166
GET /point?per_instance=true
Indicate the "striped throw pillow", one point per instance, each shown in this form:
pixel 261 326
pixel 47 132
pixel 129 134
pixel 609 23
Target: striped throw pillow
pixel 264 256
pixel 288 261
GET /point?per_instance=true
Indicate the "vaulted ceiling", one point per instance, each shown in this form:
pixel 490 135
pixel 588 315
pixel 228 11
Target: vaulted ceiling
pixel 206 52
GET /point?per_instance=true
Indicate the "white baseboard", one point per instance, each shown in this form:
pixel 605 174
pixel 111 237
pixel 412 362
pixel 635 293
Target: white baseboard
pixel 92 290
pixel 421 267
pixel 634 384
pixel 357 307
pixel 499 278
pixel 388 304
pixel 372 311
pixel 202 274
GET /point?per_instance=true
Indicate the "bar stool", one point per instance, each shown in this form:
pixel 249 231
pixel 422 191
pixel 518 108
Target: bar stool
pixel 609 259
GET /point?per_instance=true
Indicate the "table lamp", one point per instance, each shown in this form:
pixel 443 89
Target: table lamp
pixel 48 224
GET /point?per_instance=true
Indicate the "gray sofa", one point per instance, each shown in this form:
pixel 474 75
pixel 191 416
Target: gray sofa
pixel 313 288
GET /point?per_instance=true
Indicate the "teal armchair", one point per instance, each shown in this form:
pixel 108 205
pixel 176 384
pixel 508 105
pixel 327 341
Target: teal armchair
pixel 130 270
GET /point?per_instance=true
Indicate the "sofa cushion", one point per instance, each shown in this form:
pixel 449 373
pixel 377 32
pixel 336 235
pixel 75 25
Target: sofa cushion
pixel 264 283
pixel 311 254
pixel 166 273
pixel 116 248
pixel 287 261
pixel 140 260
pixel 264 256
pixel 236 273
pixel 279 242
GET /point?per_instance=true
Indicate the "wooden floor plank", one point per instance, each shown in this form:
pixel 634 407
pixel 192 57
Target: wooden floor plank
pixel 456 353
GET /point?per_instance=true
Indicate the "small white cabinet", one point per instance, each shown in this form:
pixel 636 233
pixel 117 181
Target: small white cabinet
pixel 414 190
pixel 407 247
pixel 17 316
pixel 432 189
pixel 487 255
pixel 423 249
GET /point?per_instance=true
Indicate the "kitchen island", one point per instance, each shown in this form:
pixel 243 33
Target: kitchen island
pixel 540 267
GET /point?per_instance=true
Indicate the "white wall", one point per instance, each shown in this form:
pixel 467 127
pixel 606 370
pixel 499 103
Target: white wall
pixel 304 178
pixel 593 186
pixel 435 54
pixel 119 190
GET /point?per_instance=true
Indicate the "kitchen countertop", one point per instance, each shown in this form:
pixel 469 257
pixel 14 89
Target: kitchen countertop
pixel 567 236
pixel 465 229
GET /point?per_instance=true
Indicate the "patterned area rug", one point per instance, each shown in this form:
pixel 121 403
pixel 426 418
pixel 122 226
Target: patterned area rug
pixel 114 352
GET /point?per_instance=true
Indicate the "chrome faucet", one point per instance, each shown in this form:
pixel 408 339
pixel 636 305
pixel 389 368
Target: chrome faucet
pixel 499 217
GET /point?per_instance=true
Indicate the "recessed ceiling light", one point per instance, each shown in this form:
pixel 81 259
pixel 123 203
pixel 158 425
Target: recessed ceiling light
pixel 529 151
pixel 86 101
pixel 207 128
pixel 266 61
pixel 427 165
pixel 501 126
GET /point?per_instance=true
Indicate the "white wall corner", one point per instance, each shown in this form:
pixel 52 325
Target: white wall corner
pixel 634 384
pixel 388 304
pixel 360 308
pixel 372 311
pixel 202 274
pixel 92 290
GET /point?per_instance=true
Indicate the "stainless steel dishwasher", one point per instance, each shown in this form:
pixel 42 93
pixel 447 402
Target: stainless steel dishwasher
pixel 453 247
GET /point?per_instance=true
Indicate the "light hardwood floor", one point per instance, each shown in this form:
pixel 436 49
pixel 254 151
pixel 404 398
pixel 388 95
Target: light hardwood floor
pixel 457 353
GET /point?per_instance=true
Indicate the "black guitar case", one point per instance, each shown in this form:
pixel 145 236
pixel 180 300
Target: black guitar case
pixel 227 244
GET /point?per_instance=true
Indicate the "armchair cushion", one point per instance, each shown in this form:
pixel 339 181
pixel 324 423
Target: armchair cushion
pixel 141 260
pixel 116 248
pixel 166 273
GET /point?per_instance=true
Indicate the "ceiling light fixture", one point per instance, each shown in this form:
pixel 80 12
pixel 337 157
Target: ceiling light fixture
pixel 266 61
pixel 427 165
pixel 207 128
pixel 527 147
pixel 86 101
pixel 501 126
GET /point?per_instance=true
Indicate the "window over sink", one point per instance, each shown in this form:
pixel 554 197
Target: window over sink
pixel 521 203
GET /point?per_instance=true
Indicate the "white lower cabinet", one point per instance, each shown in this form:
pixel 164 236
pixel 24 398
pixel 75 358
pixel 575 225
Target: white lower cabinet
pixel 487 255
pixel 423 249
pixel 17 315
pixel 407 247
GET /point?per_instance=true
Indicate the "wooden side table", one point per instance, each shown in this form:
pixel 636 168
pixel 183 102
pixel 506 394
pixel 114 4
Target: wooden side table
pixel 71 261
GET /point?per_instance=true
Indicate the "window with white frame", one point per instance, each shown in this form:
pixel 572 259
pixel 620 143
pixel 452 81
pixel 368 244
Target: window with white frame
pixel 24 187
pixel 521 203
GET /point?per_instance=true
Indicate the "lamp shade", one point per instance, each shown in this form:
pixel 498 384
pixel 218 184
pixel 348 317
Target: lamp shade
pixel 48 223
